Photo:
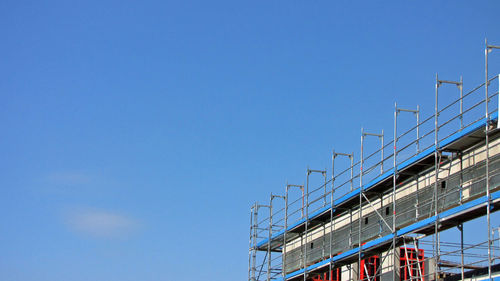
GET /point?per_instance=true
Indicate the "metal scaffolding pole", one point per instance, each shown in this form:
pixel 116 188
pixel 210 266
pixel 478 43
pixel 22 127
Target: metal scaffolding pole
pixel 436 179
pixel 417 114
pixel 254 230
pixel 437 154
pixel 283 267
pixel 332 224
pixel 461 228
pixel 488 49
pixel 394 158
pixel 381 137
pixel 325 190
pixel 331 214
pixel 461 102
pixel 309 171
pixel 288 186
pixel 360 210
pixel 252 253
pixel 460 86
pixel 270 234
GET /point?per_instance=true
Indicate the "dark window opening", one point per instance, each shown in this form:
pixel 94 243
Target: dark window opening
pixel 412 266
pixel 387 211
pixel 334 275
pixel 443 184
pixel 366 220
pixel 312 245
pixel 369 269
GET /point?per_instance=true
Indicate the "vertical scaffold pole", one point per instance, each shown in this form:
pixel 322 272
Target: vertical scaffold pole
pixel 487 157
pixel 324 187
pixel 382 152
pixel 250 245
pixel 350 210
pixel 332 198
pixel 381 138
pixel 283 267
pixel 417 115
pixel 270 234
pixel 461 228
pixel 254 238
pixel 361 189
pixel 352 170
pixel 331 215
pixel 488 49
pixel 461 87
pixel 287 188
pixel 309 172
pixel 418 128
pixel 361 161
pixel 360 210
pixel 437 163
pixel 436 178
pixel 394 156
pixel 306 224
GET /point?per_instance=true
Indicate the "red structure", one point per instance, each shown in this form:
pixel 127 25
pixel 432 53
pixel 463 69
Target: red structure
pixel 368 269
pixel 412 266
pixel 334 275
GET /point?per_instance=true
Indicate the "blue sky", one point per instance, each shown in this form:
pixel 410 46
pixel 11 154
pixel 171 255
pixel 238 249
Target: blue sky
pixel 136 135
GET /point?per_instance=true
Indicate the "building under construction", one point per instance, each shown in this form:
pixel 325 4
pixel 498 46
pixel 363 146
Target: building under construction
pixel 382 217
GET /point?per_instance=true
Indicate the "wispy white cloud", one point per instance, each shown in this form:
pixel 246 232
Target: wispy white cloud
pixel 100 223
pixel 68 178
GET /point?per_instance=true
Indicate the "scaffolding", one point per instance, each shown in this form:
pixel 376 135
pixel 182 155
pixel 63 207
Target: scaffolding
pixel 444 171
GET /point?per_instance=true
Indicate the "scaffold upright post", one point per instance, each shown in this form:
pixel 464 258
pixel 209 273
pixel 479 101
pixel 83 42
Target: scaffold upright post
pixel 394 156
pixel 255 213
pixel 250 246
pixel 331 214
pixel 332 197
pixel 416 113
pixel 461 87
pixel 360 208
pixel 287 188
pixel 285 230
pixel 436 178
pixel 270 235
pixel 361 161
pixel 418 128
pixel 382 152
pixel 306 223
pixel 486 51
pixel 461 228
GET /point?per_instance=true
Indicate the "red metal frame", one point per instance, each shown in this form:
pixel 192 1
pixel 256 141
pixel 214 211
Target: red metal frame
pixel 334 276
pixel 411 264
pixel 407 265
pixel 372 264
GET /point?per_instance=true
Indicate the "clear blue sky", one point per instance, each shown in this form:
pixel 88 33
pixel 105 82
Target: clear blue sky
pixel 137 134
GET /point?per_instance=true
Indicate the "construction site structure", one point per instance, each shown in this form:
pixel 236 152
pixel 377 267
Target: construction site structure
pixel 382 217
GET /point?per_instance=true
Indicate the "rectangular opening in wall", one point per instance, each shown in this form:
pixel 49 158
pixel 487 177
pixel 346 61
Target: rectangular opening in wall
pixel 369 269
pixel 412 266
